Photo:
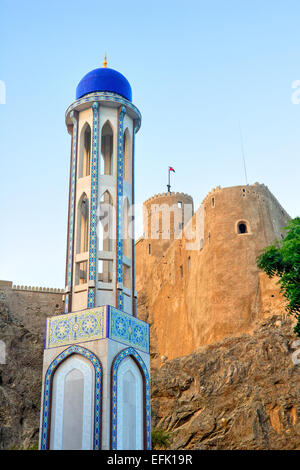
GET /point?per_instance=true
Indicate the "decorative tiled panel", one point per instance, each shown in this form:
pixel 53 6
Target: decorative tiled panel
pixel 97 394
pixel 120 208
pixel 114 409
pixel 76 327
pixel 72 215
pixel 93 213
pixel 129 330
pixel 97 323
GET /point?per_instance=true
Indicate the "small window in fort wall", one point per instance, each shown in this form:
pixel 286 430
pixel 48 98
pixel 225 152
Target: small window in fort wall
pixel 179 205
pixel 181 271
pixel 242 227
pixel 189 263
pixel 213 202
pixel 149 248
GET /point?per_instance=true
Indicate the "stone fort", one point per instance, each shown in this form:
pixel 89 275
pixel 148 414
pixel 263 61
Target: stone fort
pixel 196 292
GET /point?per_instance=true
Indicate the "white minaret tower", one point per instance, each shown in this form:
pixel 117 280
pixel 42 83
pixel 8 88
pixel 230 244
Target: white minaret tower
pixel 96 374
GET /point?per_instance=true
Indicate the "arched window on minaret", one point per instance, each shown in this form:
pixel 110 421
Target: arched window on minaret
pixel 105 233
pixel 126 229
pixel 126 243
pixel 82 224
pixel 105 229
pixel 85 151
pixel 127 156
pixel 106 166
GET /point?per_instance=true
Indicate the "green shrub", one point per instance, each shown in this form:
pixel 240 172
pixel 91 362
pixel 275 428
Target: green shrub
pixel 283 260
pixel 160 438
pixel 34 446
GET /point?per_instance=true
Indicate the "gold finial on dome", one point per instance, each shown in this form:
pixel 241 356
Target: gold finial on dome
pixel 105 61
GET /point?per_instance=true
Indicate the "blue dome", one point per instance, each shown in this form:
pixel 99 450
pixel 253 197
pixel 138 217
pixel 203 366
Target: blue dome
pixel 104 79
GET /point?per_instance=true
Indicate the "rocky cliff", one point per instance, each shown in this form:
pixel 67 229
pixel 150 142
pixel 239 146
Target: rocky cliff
pixel 20 383
pixel 22 324
pixel 240 393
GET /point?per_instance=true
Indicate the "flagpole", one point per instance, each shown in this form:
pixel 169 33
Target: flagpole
pixel 169 185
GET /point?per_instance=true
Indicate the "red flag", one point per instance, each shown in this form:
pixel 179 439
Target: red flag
pixel 171 169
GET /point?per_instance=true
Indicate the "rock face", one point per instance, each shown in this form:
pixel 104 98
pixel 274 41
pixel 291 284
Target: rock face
pixel 240 393
pixel 22 321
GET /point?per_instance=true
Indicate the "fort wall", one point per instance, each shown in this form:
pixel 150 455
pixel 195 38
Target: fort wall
pixel 31 305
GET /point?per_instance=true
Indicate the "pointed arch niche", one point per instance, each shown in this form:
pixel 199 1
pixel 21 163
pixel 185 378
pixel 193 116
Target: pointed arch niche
pixel 106 165
pixel 85 151
pixel 82 239
pixel 105 237
pixel 82 224
pixel 105 233
pixel 127 155
pixel 130 407
pixel 127 229
pixel 72 406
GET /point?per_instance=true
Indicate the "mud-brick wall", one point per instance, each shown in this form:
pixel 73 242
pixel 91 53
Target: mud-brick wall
pixel 31 306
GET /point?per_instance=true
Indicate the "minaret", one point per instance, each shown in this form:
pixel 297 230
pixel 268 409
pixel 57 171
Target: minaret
pixel 96 385
pixel 100 255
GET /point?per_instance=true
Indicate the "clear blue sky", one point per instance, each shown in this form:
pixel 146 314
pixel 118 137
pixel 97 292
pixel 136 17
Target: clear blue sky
pixel 197 69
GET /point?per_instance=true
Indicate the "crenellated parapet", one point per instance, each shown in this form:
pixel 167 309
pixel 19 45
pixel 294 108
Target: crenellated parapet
pixel 9 285
pixel 165 216
pixel 49 290
pixel 169 196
